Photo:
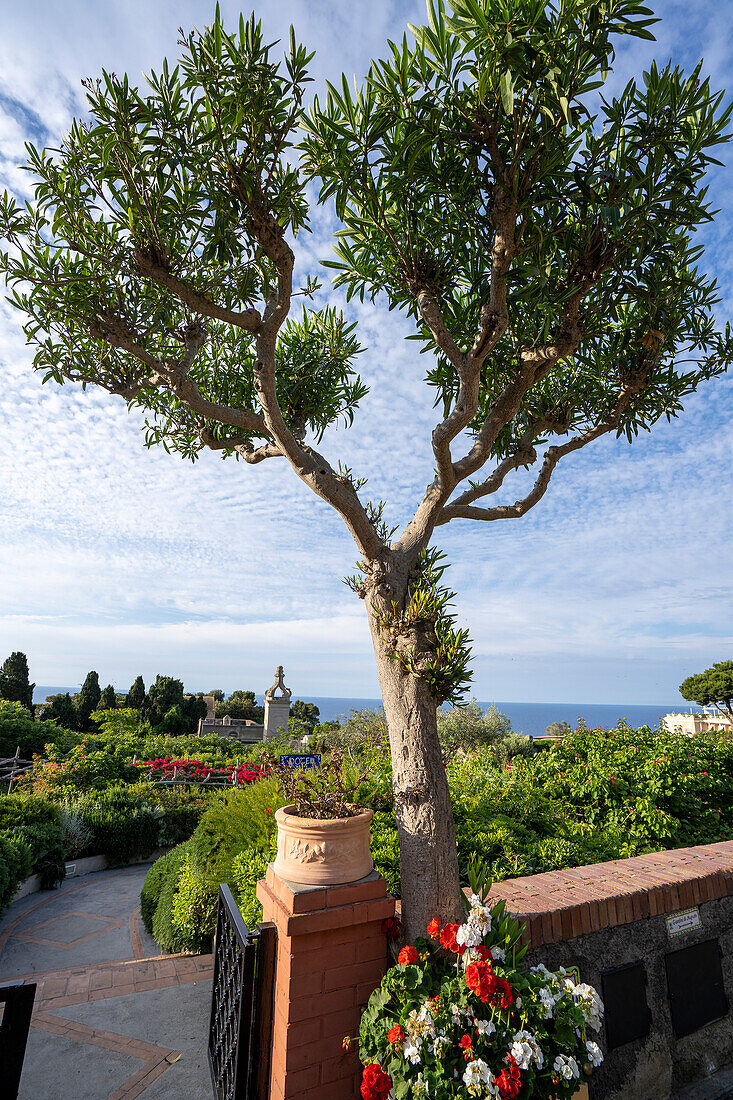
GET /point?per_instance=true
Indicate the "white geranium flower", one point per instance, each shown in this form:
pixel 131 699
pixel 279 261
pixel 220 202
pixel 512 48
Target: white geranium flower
pixel 525 1049
pixel 486 1027
pixel 595 1054
pixel 546 1004
pixel 541 969
pixel 411 1051
pixel 476 1074
pixel 468 936
pixel 498 954
pixel 439 1046
pixel 566 1067
pixel 590 1004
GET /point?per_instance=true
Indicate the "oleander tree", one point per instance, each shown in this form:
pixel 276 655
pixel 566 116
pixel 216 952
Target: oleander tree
pixel 713 687
pixel 538 234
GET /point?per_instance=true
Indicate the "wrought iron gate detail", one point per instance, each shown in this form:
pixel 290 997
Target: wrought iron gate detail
pixel 240 1029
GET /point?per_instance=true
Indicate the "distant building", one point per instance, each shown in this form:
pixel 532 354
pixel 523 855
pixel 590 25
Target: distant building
pixel 710 718
pixel 277 714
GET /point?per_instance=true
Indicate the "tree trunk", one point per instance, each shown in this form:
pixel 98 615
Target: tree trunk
pixel 428 856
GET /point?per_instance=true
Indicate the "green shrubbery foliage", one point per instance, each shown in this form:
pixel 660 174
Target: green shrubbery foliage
pixel 31 842
pixel 19 730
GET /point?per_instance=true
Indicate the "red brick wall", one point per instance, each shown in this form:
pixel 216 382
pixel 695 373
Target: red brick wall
pixel 560 905
pixel 331 955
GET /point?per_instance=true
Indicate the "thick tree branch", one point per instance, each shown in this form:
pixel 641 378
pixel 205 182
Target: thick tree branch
pixel 248 319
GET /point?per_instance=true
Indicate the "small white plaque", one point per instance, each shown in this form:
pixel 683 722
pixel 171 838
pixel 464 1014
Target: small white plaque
pixel 683 922
pixel 70 869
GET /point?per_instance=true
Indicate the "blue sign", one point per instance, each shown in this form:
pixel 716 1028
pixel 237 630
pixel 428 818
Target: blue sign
pixel 303 761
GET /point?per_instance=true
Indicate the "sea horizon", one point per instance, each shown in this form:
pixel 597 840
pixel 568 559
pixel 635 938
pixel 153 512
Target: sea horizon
pixel 531 719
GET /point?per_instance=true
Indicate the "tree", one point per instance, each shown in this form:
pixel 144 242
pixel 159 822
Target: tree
pixel 713 687
pixel 88 700
pixel 108 699
pixel 163 695
pixel 306 713
pixel 62 710
pixel 240 704
pixel 15 685
pixel 540 238
pixel 135 699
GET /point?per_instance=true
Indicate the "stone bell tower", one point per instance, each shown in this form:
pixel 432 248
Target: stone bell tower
pixel 277 707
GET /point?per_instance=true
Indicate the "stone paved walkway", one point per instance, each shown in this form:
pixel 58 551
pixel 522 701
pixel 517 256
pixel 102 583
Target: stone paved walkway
pixel 113 1018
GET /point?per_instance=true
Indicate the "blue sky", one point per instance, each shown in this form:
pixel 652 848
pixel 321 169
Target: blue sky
pixel 126 560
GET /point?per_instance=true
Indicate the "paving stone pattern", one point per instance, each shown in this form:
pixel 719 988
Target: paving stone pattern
pixel 113 1019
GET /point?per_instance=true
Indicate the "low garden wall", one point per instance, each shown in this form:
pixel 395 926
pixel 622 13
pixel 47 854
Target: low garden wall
pixel 654 935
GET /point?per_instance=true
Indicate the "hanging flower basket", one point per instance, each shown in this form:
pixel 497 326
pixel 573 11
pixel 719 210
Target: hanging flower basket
pixel 323 851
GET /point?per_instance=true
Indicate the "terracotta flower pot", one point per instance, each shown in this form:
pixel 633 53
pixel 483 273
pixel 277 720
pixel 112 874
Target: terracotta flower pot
pixel 321 852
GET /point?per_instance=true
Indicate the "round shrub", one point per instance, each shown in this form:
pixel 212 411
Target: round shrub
pixel 193 910
pixel 153 885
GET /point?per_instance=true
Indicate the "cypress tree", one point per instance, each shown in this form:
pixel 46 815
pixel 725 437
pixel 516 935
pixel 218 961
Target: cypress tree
pixel 136 695
pixel 89 697
pixel 15 682
pixel 108 699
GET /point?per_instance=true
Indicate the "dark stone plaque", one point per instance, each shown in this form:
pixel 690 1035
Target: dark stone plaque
pixel 627 1012
pixel 695 987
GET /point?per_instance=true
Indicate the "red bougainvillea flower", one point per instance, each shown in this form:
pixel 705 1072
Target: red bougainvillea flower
pixel 407 955
pixel 434 928
pixel 448 939
pixel 396 1034
pixel 509 1080
pixel 375 1084
pixel 392 928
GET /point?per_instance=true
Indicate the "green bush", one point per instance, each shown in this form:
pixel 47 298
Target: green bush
pixel 239 820
pixel 23 809
pixel 122 826
pixel 247 869
pixel 16 861
pixel 193 910
pixel 19 730
pixel 153 885
pixel 181 809
pixel 162 924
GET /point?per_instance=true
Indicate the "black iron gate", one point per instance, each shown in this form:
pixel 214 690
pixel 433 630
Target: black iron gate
pixel 240 1031
pixel 16 1009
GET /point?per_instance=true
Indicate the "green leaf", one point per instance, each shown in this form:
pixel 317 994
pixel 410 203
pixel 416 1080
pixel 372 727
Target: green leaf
pixel 507 92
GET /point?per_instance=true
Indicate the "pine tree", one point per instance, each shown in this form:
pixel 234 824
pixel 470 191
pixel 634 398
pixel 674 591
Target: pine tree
pixel 135 699
pixel 15 682
pixel 89 697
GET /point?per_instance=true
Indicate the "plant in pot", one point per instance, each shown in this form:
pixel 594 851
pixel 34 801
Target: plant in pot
pixel 322 834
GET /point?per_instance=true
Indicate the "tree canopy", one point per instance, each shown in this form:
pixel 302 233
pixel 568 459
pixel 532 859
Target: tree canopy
pixel 713 687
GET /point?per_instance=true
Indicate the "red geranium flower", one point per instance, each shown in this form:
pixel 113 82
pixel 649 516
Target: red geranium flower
pixel 396 1034
pixel 465 1041
pixel 479 979
pixel 434 928
pixel 501 995
pixel 392 928
pixel 407 955
pixel 448 939
pixel 375 1084
pixel 509 1080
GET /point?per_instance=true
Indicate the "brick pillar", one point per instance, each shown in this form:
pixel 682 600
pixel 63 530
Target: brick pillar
pixel 331 955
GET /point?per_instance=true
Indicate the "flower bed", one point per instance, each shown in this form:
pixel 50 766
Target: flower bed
pixel 459 1013
pixel 197 770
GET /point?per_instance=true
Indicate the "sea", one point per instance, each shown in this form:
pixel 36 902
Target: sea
pixel 531 719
